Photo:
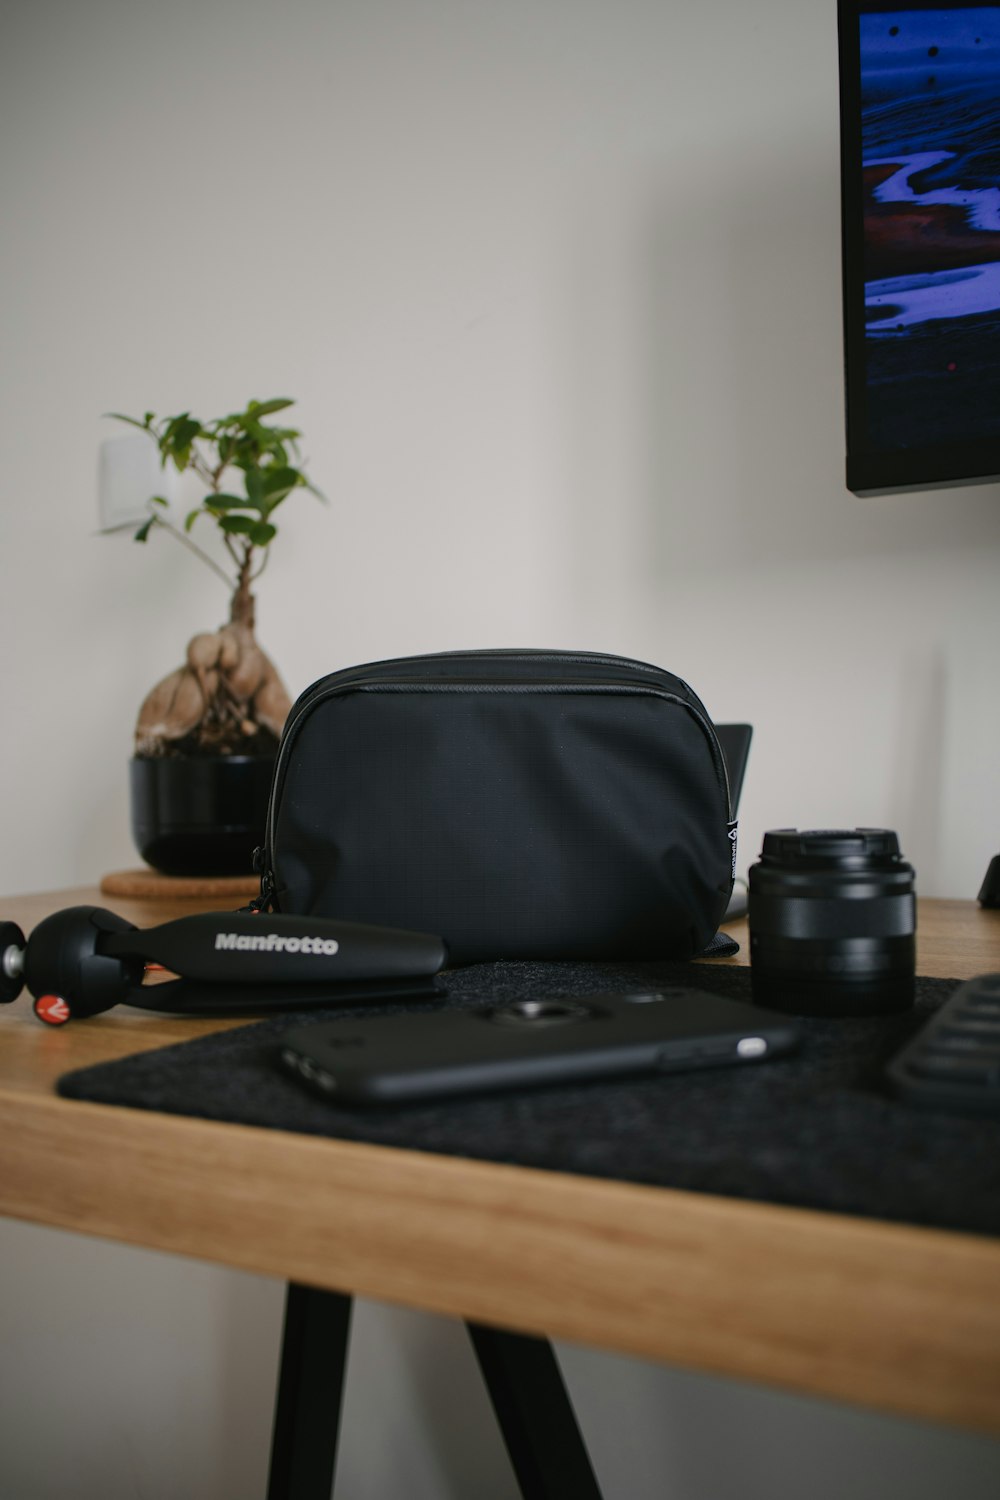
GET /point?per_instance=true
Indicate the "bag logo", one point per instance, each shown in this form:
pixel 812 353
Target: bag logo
pixel 273 942
pixel 731 832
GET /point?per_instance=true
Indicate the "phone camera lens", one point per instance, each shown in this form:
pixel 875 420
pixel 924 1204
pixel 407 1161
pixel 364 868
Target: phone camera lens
pixel 538 1013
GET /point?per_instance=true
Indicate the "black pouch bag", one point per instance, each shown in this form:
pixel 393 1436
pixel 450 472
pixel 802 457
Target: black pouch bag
pixel 521 804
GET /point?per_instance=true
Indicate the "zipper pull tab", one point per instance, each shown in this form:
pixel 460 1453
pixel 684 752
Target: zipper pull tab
pixel 263 901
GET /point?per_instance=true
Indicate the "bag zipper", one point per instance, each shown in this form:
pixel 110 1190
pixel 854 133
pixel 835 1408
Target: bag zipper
pixel 331 687
pixel 261 902
pixel 348 675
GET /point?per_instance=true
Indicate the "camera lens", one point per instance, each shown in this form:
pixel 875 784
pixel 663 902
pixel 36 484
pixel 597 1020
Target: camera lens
pixel 832 915
pixel 538 1013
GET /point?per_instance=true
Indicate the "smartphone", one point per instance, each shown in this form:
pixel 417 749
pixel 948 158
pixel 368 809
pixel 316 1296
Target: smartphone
pixel 410 1058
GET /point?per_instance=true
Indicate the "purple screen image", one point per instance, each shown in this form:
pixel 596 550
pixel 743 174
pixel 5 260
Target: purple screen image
pixel 930 98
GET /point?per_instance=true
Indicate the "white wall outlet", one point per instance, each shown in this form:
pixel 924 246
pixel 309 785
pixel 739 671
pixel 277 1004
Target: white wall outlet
pixel 128 475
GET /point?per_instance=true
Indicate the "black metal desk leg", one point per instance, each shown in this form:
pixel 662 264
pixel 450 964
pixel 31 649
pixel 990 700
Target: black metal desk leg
pixel 535 1415
pixel 310 1387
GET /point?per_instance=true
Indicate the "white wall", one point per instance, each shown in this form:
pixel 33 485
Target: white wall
pixel 556 286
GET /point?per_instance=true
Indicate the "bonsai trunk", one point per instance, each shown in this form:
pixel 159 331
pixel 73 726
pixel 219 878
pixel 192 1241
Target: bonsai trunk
pixel 242 606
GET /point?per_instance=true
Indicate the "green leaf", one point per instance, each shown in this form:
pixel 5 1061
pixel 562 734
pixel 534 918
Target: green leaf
pixel 192 516
pixel 249 423
pixel 159 500
pixel 222 501
pixel 261 533
pixel 242 524
pixel 255 489
pixel 279 483
pixel 177 437
pixel 280 479
pixel 265 408
pixel 143 531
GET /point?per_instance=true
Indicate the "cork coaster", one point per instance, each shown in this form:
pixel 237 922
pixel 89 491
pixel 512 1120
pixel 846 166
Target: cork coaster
pixel 150 885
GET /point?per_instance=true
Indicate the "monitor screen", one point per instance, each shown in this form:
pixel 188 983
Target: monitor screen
pixel 920 157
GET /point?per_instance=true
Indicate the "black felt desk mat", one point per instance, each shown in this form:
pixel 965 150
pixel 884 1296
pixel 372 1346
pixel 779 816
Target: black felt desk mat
pixel 814 1130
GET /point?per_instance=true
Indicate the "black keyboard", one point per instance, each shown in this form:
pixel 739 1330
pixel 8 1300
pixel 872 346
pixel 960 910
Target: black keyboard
pixel 954 1062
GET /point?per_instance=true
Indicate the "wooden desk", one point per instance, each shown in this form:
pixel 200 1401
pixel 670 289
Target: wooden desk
pixel 900 1319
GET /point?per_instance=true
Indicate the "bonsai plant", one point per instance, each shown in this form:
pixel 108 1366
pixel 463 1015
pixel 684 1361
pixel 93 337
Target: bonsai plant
pixel 224 707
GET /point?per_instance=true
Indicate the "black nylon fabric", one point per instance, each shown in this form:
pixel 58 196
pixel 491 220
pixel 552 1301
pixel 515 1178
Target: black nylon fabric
pixel 522 805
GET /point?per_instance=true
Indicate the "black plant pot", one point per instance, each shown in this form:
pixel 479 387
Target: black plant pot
pixel 200 815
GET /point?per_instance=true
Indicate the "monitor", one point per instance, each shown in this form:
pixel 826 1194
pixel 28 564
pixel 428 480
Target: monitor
pixel 920 173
